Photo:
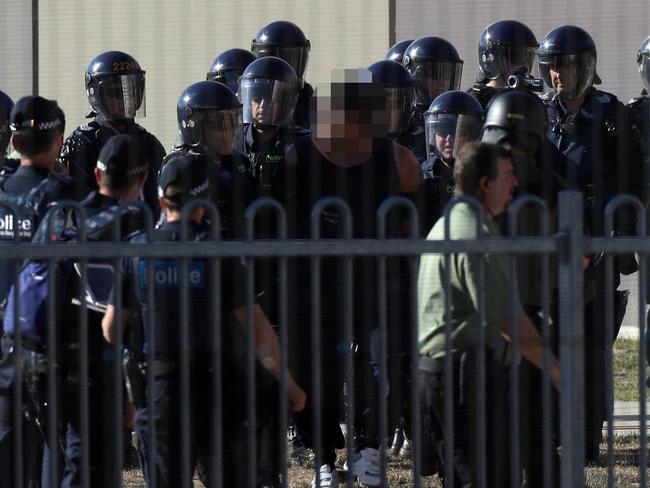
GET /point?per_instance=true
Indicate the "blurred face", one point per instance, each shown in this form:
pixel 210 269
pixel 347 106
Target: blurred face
pixel 498 192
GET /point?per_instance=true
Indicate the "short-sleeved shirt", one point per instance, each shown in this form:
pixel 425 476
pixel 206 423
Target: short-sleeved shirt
pixel 202 286
pixel 464 290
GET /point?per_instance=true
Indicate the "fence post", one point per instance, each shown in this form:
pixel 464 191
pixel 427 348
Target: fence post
pixel 571 332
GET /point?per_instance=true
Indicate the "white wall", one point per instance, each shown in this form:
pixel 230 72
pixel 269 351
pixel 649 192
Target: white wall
pixel 175 42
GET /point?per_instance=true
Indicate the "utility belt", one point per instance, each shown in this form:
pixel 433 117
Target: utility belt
pixel 437 365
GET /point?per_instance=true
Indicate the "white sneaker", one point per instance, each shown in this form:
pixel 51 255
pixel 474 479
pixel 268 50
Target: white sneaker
pixel 328 478
pixel 365 466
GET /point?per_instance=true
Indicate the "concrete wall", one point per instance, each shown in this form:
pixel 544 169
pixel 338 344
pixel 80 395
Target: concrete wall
pixel 175 42
pixel 617 28
pixel 16 52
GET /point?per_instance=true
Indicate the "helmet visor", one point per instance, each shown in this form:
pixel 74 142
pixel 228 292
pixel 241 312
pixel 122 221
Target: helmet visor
pixel 433 78
pixel 644 70
pixel 447 133
pixel 399 103
pixel 569 75
pixel 121 96
pixel 230 78
pixel 268 102
pixel 296 56
pixel 517 59
pixel 217 130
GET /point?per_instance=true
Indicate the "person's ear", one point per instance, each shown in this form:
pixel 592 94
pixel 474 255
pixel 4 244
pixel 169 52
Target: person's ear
pixel 98 176
pixel 484 184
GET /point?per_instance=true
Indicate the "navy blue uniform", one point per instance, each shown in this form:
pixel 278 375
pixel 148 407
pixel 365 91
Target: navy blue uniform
pixel 232 188
pixel 303 107
pixel 163 354
pixel 597 157
pixel 484 93
pixel 436 189
pixel 414 137
pixel 81 150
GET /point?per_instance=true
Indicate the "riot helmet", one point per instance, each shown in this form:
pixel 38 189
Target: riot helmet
pixel 453 119
pixel 570 53
pixel 435 66
pixel 517 117
pixel 209 115
pixel 400 94
pixel 283 39
pixel 643 62
pixel 268 91
pixel 228 66
pixel 115 86
pixel 506 47
pixel 396 51
pixel 6 104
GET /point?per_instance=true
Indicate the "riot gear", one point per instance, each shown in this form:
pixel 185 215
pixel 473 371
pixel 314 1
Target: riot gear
pixel 453 119
pixel 643 62
pixel 436 67
pixel 283 40
pixel 516 116
pixel 504 48
pixel 209 115
pixel 6 104
pixel 398 83
pixel 396 52
pixel 115 85
pixel 228 66
pixel 269 91
pixel 571 52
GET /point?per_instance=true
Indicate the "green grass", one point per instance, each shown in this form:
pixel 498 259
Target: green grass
pixel 626 370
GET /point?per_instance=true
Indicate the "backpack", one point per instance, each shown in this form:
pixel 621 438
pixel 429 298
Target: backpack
pixel 69 290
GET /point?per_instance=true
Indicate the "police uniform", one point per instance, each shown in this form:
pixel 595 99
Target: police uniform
pixel 483 93
pixel 81 149
pixel 436 190
pixel 595 156
pixel 414 138
pixel 303 107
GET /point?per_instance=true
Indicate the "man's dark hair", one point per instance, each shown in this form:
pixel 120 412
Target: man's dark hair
pixel 475 161
pixel 31 142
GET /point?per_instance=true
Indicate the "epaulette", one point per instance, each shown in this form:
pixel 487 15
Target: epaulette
pixel 604 97
pixel 637 101
pixel 547 96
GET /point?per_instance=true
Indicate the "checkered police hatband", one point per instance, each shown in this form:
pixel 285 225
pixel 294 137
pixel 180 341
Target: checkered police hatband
pixel 202 188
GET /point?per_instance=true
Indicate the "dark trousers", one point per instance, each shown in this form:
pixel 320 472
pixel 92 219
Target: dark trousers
pixel 31 442
pixel 465 427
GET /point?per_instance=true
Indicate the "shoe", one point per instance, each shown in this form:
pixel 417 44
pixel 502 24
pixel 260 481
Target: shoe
pixel 365 466
pixel 405 450
pixel 398 439
pixel 328 478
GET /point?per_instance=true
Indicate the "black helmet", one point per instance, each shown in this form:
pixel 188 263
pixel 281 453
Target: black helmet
pixel 6 104
pixel 517 117
pixel 643 62
pixel 573 47
pixel 209 115
pixel 396 51
pixel 436 67
pixel 283 40
pixel 398 83
pixel 271 84
pixel 454 118
pixel 228 66
pixel 505 47
pixel 115 85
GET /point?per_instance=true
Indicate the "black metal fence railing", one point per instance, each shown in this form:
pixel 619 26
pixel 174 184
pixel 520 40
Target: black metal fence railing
pixel 560 252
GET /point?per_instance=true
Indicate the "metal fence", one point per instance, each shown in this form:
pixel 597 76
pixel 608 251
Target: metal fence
pixel 568 246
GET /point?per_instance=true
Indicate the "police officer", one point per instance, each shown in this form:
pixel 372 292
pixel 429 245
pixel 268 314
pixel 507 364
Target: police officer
pixel 396 51
pixel 268 92
pixel 182 179
pixel 121 173
pixel 516 120
pixel 506 47
pixel 589 129
pixel 115 86
pixel 209 117
pixel 453 119
pixel 285 40
pixel 436 67
pixel 400 94
pixel 228 66
pixel 6 104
